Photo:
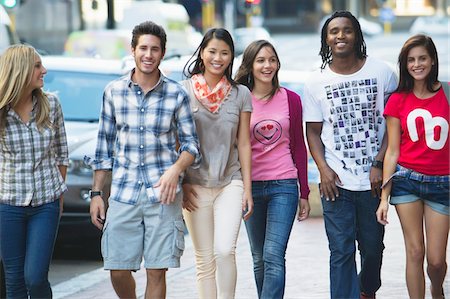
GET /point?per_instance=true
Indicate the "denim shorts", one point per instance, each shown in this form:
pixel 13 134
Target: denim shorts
pixel 147 229
pixel 409 186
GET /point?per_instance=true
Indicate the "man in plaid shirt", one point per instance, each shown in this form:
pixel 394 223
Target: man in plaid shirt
pixel 147 138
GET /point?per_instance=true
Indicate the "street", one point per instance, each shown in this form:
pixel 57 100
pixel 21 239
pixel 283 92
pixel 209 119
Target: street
pixel 307 269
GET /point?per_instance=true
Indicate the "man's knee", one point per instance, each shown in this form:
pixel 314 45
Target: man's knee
pixel 120 275
pixel 156 276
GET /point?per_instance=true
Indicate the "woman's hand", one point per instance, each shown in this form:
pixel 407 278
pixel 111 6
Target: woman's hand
pixel 189 198
pixel 61 206
pixel 247 205
pixel 382 212
pixel 304 209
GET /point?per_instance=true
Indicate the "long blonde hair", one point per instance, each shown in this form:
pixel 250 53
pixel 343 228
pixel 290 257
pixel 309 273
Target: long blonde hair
pixel 16 71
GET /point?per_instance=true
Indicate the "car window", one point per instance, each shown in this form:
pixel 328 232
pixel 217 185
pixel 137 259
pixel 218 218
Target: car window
pixel 80 94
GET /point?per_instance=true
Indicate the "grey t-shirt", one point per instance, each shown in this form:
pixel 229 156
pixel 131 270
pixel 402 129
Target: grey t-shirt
pixel 217 134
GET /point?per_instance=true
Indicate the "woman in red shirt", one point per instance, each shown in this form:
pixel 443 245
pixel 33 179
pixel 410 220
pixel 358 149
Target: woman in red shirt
pixel 416 164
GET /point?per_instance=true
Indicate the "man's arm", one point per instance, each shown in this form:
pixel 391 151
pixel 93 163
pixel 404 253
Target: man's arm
pixel 169 180
pixel 188 148
pixel 97 206
pixel 328 178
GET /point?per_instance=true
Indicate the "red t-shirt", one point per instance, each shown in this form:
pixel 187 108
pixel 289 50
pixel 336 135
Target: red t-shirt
pixel 424 145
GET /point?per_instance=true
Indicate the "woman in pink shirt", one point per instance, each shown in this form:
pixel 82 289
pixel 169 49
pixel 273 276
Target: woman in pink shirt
pixel 416 164
pixel 279 166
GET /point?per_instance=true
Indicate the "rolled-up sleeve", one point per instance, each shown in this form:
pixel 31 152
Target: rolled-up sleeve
pixel 187 134
pixel 60 145
pixel 104 152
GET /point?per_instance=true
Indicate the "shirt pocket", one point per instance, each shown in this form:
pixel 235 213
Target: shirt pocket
pixel 232 114
pixel 162 123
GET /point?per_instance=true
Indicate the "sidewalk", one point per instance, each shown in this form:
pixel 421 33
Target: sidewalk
pixel 306 278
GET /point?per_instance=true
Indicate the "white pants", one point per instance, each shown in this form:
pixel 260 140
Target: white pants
pixel 214 228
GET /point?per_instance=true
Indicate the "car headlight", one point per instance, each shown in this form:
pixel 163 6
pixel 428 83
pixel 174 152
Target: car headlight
pixel 79 167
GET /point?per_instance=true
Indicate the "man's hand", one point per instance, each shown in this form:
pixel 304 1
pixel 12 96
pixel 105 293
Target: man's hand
pixel 168 185
pixel 61 206
pixel 304 209
pixel 97 211
pixel 190 198
pixel 328 181
pixel 376 178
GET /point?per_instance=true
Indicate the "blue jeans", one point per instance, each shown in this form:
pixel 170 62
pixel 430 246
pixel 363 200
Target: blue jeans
pixel 27 237
pixel 351 217
pixel 268 231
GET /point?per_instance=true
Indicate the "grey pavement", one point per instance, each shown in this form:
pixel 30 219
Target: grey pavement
pixel 306 262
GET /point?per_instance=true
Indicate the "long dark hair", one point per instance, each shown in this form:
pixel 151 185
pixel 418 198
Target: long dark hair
pixel 195 64
pixel 245 73
pixel 360 45
pixel 406 81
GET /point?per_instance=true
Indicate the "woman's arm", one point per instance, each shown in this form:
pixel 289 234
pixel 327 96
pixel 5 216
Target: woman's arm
pixel 389 165
pixel 245 159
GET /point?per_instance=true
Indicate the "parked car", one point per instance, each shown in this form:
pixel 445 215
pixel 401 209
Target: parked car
pixel 79 84
pixel 242 37
pixel 431 25
pixel 7 32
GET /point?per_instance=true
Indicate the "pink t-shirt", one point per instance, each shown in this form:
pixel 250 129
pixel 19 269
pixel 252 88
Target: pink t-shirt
pixel 271 155
pixel 424 145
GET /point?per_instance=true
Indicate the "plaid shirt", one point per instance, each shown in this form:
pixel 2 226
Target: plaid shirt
pixel 138 133
pixel 29 158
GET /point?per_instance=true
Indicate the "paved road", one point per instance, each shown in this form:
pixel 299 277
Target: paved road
pixel 307 269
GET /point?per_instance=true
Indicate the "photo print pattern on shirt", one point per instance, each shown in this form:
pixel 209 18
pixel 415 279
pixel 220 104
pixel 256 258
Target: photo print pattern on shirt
pixel 355 121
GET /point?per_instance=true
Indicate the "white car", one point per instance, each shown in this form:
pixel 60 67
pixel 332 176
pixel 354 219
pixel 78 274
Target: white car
pixel 242 37
pixel 431 25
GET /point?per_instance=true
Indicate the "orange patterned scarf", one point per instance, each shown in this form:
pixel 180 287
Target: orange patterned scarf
pixel 210 99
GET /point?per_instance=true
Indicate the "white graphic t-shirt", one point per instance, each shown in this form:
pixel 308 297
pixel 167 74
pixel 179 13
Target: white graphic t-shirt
pixel 351 110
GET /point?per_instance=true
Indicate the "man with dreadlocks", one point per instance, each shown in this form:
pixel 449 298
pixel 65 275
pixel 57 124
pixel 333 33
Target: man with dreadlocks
pixel 343 110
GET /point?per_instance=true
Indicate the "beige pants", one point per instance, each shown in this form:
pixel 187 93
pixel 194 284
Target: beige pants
pixel 214 229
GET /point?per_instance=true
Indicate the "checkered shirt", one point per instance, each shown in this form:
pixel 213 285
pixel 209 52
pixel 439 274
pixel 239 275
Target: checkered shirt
pixel 138 133
pixel 29 158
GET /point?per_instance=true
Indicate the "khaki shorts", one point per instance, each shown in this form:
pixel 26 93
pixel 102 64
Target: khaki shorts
pixel 149 230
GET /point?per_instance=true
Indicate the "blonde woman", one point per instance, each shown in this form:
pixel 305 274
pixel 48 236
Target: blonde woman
pixel 218 194
pixel 33 162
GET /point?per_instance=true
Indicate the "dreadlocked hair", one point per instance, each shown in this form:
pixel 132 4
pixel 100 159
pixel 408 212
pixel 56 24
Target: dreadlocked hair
pixel 360 45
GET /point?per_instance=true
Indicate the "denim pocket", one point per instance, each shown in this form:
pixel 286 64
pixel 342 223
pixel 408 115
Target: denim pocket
pixel 178 244
pixel 104 241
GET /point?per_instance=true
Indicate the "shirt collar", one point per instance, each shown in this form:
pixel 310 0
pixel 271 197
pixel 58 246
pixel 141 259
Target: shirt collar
pixel 130 83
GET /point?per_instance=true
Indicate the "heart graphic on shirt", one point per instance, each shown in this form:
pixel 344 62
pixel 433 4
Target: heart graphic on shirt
pixel 267 131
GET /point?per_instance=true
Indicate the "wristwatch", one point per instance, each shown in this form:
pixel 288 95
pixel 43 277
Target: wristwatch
pixel 377 164
pixel 95 193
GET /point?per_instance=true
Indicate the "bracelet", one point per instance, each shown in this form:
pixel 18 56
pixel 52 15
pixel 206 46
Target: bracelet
pixel 377 164
pixel 95 193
